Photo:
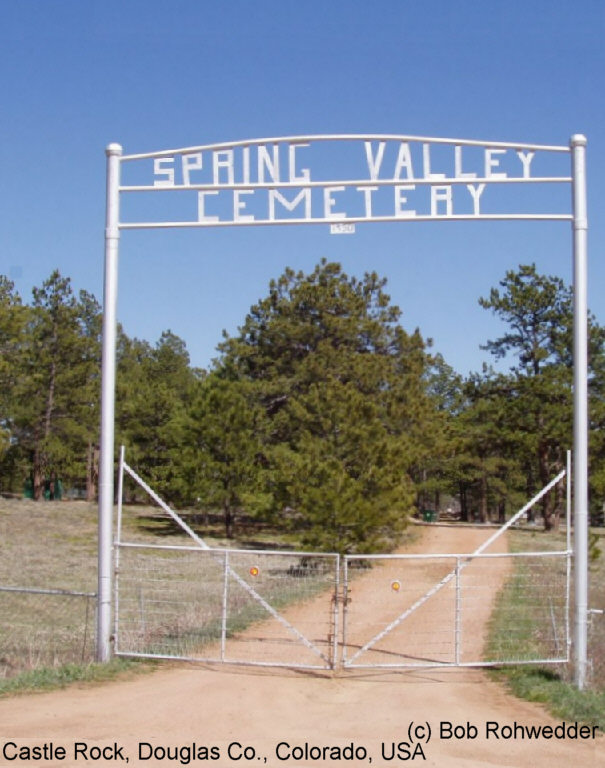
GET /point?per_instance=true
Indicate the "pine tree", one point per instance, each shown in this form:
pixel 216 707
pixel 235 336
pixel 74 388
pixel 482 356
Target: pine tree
pixel 55 405
pixel 223 448
pixel 538 416
pixel 341 386
pixel 88 412
pixel 13 319
pixel 154 389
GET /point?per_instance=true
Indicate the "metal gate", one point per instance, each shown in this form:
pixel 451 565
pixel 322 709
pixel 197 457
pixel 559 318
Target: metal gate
pixel 241 606
pixel 289 202
pixel 434 610
pixel 278 608
pixel 427 610
pixel 259 607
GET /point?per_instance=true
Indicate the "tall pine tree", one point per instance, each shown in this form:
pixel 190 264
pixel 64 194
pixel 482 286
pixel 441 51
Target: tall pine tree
pixel 538 311
pixel 342 388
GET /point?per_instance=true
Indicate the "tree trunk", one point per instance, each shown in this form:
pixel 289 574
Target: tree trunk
pixel 483 501
pixel 50 401
pixel 40 465
pixel 463 503
pixel 92 471
pixel 558 505
pixel 547 506
pixel 529 493
pixel 38 475
pixel 422 494
pixel 229 519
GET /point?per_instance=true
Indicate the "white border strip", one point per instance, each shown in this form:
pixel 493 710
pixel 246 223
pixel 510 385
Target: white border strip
pixel 219 550
pixel 351 220
pixel 344 183
pixel 346 137
pixel 460 555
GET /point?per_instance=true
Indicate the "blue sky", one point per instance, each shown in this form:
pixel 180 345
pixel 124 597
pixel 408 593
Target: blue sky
pixel 160 74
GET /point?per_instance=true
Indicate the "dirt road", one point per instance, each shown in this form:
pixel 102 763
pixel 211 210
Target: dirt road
pixel 181 715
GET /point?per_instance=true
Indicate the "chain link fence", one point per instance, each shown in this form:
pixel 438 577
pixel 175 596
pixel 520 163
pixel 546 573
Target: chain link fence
pixel 275 608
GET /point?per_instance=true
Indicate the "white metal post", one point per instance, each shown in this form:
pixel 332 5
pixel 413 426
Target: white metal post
pixel 580 446
pixel 345 610
pixel 568 558
pixel 118 539
pixel 458 615
pixel 108 378
pixel 335 613
pixel 225 604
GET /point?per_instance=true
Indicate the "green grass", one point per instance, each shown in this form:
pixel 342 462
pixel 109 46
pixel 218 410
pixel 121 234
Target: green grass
pixel 548 685
pixel 528 621
pixel 560 697
pixel 52 678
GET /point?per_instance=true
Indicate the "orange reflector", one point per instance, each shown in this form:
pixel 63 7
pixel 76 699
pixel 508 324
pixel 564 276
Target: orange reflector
pixel 395 586
pixel 254 571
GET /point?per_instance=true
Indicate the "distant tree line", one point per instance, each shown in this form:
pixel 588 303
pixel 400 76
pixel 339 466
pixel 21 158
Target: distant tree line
pixel 322 414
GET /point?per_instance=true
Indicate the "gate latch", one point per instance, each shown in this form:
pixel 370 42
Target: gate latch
pixel 341 597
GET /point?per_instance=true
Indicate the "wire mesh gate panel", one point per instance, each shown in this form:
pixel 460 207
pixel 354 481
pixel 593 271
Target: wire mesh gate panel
pixel 437 610
pixel 237 606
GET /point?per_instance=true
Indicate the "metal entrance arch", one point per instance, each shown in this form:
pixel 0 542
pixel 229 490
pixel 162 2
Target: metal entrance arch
pixel 267 183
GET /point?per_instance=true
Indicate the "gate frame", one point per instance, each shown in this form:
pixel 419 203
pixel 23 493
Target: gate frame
pixel 462 560
pixel 222 557
pixel 220 554
pixel 578 218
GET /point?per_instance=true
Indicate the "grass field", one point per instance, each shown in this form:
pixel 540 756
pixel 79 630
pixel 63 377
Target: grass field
pixel 553 686
pixel 52 546
pixel 532 540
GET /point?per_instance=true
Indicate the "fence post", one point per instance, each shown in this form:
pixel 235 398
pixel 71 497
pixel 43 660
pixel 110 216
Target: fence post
pixel 116 559
pixel 345 609
pixel 568 558
pixel 108 379
pixel 225 604
pixel 580 397
pixel 457 624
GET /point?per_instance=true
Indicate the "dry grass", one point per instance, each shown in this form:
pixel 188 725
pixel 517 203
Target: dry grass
pixel 53 546
pixel 46 546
